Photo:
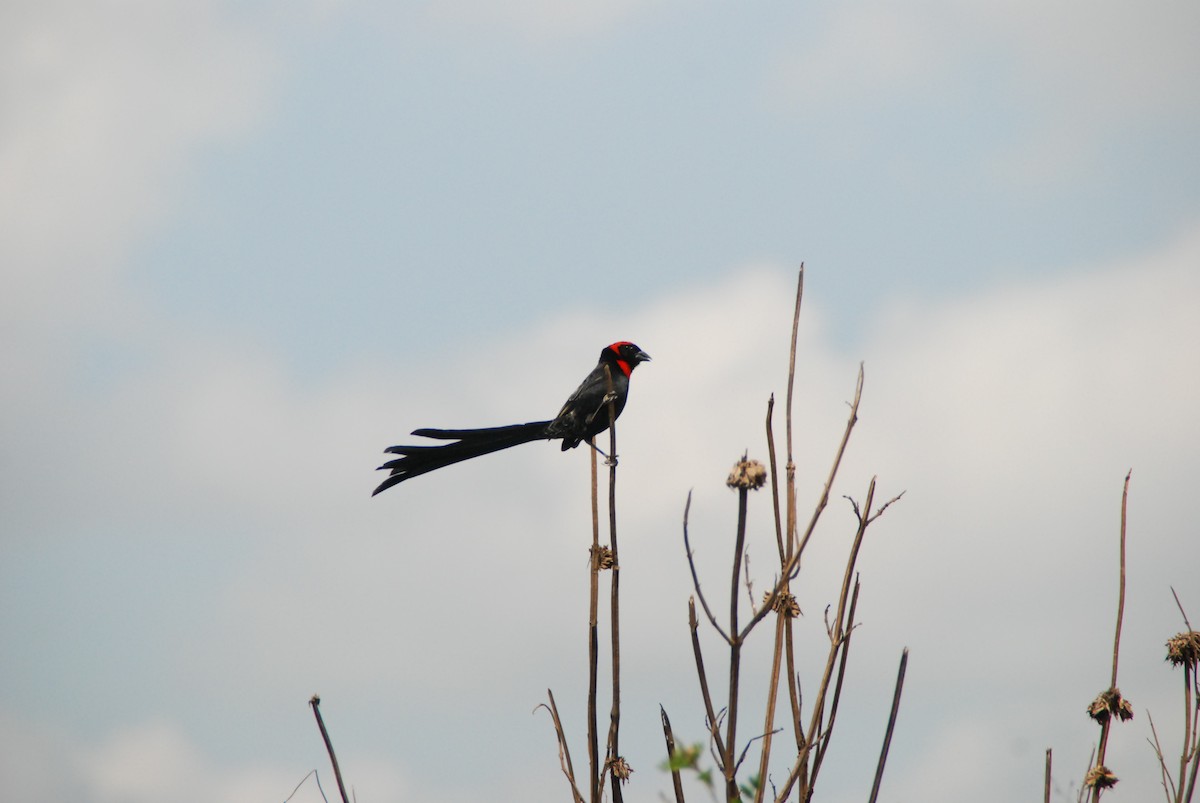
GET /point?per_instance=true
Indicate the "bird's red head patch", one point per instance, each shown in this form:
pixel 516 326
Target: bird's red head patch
pixel 627 355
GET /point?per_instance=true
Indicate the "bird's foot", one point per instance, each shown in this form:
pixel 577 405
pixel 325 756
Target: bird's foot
pixel 609 460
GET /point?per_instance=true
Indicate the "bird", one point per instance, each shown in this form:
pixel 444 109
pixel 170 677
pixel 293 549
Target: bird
pixel 583 416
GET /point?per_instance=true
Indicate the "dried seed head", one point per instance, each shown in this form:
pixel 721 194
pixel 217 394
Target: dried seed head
pixel 1184 648
pixel 785 604
pixel 1109 703
pixel 620 769
pixel 1100 776
pixel 603 557
pixel 749 474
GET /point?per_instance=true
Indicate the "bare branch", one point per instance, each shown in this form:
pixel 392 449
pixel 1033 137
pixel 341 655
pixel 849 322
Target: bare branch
pixel 837 689
pixel 792 360
pixel 614 727
pixel 714 725
pixel 687 546
pixel 1099 777
pixel 837 461
pixel 593 738
pixel 1046 781
pixel 315 702
pixel 564 753
pixel 891 726
pixel 676 781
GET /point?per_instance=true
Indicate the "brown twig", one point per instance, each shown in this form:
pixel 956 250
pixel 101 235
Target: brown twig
pixel 593 737
pixel 792 362
pixel 1181 651
pixel 687 548
pixel 811 746
pixel 824 500
pixel 735 649
pixel 783 623
pixel 315 702
pixel 613 751
pixel 669 735
pixel 795 698
pixel 564 753
pixel 1100 777
pixel 714 728
pixel 1121 594
pixel 774 480
pixel 823 745
pixel 838 634
pixel 791 553
pixel 1046 781
pixel 1168 783
pixel 772 694
pixel 316 776
pixel 791 383
pixel 891 726
pixel 1182 612
pixel 1082 793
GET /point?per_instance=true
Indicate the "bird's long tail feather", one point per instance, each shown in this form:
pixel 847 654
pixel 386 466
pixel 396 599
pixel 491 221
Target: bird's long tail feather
pixel 468 443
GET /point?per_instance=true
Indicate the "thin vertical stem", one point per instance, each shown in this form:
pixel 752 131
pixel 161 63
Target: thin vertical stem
pixel 822 745
pixel 1046 783
pixel 891 726
pixel 792 362
pixel 1121 594
pixel 315 702
pixel 614 727
pixel 790 466
pixel 735 652
pixel 1106 725
pixel 774 478
pixel 669 735
pixel 1192 742
pixel 593 645
pixel 564 753
pixel 710 714
pixel 781 619
pixel 772 695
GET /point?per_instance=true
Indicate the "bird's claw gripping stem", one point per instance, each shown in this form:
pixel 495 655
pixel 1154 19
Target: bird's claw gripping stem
pixel 609 460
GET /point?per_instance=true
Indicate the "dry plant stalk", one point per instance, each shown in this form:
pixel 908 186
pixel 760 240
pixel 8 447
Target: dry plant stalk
pixel 891 727
pixel 315 702
pixel 669 736
pixel 1046 779
pixel 564 752
pixel 811 742
pixel 603 558
pixel 614 762
pixel 1110 703
pixel 1183 650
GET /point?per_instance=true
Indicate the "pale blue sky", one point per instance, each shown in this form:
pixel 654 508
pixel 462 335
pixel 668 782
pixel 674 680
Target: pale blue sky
pixel 245 248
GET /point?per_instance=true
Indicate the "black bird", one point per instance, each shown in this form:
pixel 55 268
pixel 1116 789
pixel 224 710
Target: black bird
pixel 582 417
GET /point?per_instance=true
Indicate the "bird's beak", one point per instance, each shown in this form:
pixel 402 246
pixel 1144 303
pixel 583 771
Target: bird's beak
pixel 642 356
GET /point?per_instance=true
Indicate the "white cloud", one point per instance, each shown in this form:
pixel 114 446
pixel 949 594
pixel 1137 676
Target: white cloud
pixel 1051 89
pixel 106 103
pixel 153 761
pixel 1115 56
